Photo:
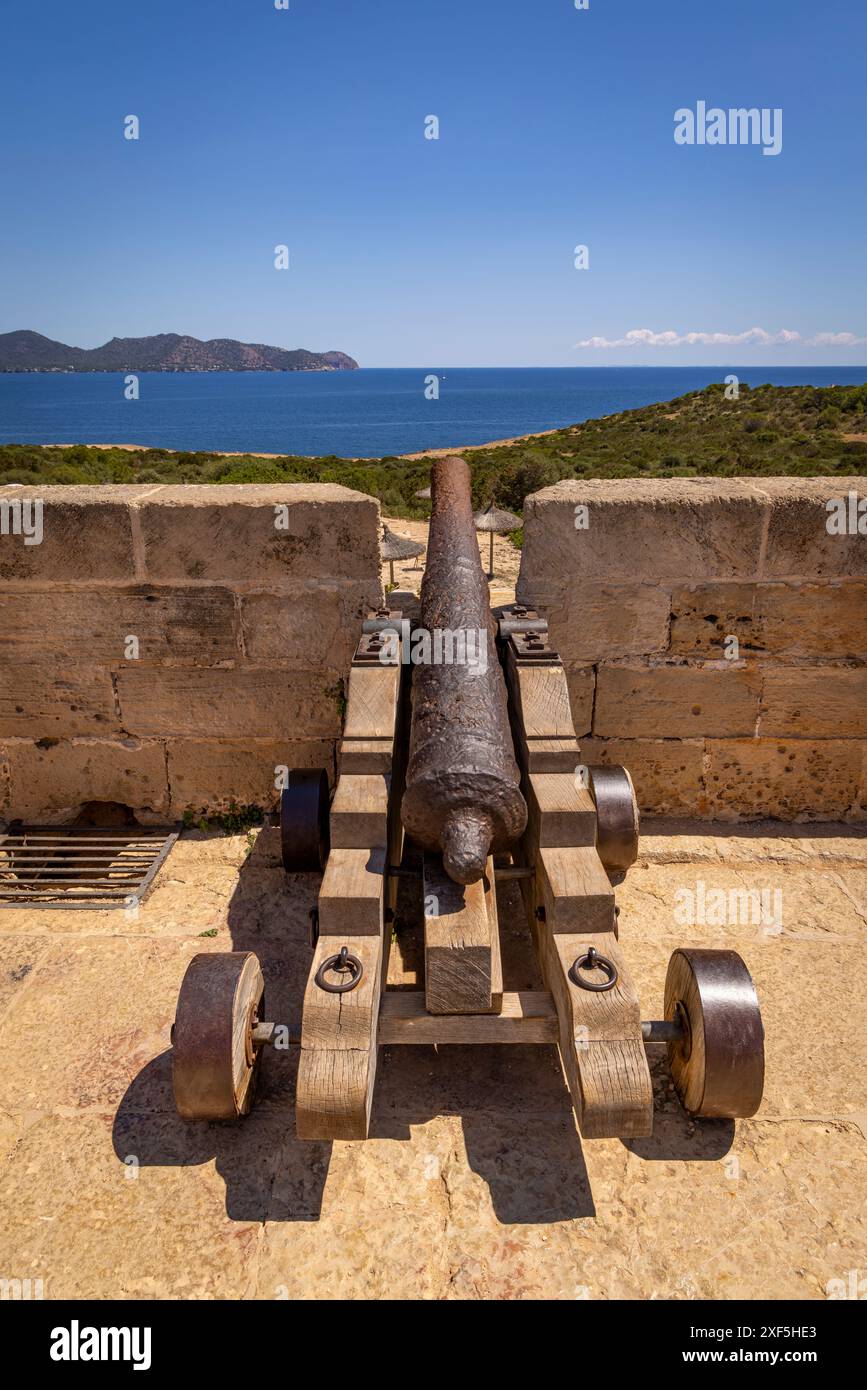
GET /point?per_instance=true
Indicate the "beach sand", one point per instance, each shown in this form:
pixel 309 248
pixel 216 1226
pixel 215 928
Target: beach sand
pixel 361 458
pixel 408 573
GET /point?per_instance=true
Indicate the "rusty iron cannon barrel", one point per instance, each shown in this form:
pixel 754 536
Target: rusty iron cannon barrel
pixel 462 793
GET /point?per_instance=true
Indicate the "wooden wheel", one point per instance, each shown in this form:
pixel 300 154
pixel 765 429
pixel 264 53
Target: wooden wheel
pixel 616 817
pixel 718 1066
pixel 304 821
pixel 215 1065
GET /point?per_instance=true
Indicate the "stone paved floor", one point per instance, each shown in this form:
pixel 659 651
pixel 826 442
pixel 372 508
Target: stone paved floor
pixel 475 1183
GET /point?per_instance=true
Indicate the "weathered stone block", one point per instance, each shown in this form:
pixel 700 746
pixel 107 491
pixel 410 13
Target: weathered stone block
pixel 676 701
pixel 210 775
pixel 261 534
pixel 641 529
pixel 597 622
pixel 52 783
pixel 785 779
pixel 799 542
pixel 42 700
pixel 668 774
pixel 318 626
pixel 818 701
pixel 704 615
pixel 785 620
pixel 815 619
pixel 86 534
pixel 244 703
pixel 194 626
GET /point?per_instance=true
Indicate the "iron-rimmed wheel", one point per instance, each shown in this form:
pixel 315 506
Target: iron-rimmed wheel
pixel 215 1065
pixel 617 819
pixel 304 828
pixel 718 1065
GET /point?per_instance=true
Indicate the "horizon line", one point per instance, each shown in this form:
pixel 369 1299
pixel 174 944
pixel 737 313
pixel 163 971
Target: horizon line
pixel 452 366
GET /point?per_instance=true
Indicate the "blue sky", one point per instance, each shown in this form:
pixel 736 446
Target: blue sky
pixel 306 127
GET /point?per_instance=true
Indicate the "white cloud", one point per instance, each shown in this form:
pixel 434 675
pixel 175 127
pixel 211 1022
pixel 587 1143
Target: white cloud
pixel 646 337
pixel 836 340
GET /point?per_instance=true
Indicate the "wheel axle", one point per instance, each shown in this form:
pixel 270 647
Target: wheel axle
pixel 660 1030
pixel 712 1030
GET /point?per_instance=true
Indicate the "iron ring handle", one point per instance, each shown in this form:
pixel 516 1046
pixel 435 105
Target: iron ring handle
pixel 343 961
pixel 591 960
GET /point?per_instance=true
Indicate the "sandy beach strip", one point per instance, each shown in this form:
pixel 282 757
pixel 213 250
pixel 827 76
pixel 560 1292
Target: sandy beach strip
pixel 372 458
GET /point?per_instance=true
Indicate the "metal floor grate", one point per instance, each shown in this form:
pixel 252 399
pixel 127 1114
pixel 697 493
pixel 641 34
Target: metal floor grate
pixel 72 866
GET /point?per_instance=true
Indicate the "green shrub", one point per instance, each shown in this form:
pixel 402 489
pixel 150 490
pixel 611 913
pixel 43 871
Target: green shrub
pixel 769 431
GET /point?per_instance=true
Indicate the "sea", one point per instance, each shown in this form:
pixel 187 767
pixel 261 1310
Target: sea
pixel 356 414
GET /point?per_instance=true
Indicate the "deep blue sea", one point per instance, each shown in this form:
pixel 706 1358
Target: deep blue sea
pixel 363 413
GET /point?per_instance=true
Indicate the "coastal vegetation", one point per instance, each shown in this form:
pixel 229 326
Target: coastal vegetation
pixel 800 431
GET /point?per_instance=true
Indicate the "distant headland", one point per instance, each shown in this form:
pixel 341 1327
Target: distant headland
pixel 25 351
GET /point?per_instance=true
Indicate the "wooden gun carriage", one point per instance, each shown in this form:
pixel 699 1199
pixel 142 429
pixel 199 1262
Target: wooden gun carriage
pixel 481 769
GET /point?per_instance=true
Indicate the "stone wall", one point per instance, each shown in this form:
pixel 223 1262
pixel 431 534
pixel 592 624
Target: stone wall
pixel 244 602
pixel 169 647
pixel 646 583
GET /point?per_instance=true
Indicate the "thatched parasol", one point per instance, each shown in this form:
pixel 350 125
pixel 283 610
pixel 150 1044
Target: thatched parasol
pixel 394 547
pixel 497 523
pixel 424 493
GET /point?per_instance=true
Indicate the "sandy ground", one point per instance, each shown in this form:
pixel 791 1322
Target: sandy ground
pixel 491 444
pixel 475 1183
pixel 361 458
pixel 408 573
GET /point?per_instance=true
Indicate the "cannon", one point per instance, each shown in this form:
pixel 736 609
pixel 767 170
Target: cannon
pixel 463 793
pixel 472 767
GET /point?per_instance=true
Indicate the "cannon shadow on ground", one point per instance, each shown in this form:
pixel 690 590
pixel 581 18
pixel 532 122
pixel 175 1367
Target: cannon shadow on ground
pixel 518 1129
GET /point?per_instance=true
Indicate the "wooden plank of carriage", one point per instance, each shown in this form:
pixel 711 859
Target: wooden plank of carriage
pixel 371 700
pixel 570 906
pixel 352 894
pixel 366 755
pixel 541 715
pixel 544 700
pixel 601 1046
pixel 359 811
pixel 394 830
pixel 560 813
pixel 463 971
pixel 337 1065
pixel 527 1016
pixel 572 887
pixel 337 1061
pixel 553 754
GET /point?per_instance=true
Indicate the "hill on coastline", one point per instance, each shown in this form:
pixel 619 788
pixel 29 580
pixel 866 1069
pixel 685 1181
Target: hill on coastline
pixel 25 351
pixel 770 431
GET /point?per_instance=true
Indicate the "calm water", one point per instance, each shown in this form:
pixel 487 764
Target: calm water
pixel 364 413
